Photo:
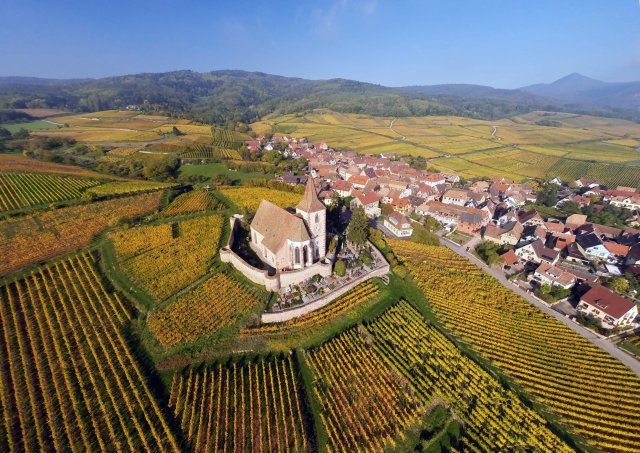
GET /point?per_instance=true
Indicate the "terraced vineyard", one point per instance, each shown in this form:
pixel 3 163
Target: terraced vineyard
pixel 359 295
pixel 119 188
pixel 257 406
pixel 165 258
pixel 28 240
pixel 374 382
pixel 214 305
pixel 20 190
pixel 591 391
pixel 68 381
pixel 202 151
pixel 250 197
pixel 194 201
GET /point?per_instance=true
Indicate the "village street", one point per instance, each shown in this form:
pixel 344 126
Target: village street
pixel 599 341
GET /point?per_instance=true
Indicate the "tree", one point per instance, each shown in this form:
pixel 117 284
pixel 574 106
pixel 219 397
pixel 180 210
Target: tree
pixel 570 207
pixel 177 132
pixel 4 133
pixel 548 196
pixel 386 209
pixel 488 252
pixel 618 284
pixel 358 231
pixel 340 269
pixel 21 134
pixel 422 235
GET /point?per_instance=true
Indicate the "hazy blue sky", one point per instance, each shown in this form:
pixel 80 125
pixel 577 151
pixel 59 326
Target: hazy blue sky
pixel 503 43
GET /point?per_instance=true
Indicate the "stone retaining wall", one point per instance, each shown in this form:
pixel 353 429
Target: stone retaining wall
pixel 261 276
pixel 326 300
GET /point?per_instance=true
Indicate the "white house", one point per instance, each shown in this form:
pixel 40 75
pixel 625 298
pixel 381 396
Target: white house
pixel 368 200
pixel 458 197
pixel 536 252
pixel 613 310
pixel 547 274
pixel 631 202
pixel 398 224
pixel 593 246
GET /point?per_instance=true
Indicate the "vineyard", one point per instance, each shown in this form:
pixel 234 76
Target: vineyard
pixel 591 391
pixel 20 190
pixel 68 381
pixel 28 240
pixel 118 188
pixel 203 151
pixel 374 382
pixel 195 201
pixel 337 309
pixel 226 139
pixel 21 164
pixel 249 198
pixel 218 303
pixel 256 406
pixel 165 258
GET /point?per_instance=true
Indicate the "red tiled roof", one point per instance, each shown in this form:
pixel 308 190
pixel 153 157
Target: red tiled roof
pixel 606 300
pixel 616 249
pixel 366 197
pixel 434 177
pixel 341 185
pixel 358 179
pixel 509 258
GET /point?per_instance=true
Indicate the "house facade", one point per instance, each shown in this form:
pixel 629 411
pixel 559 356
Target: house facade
pixel 610 308
pixel 367 200
pixel 398 224
pixel 547 274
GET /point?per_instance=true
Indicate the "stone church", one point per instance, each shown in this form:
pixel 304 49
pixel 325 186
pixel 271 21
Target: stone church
pixel 287 241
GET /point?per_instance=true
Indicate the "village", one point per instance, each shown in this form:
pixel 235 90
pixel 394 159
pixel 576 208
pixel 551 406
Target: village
pixel 540 234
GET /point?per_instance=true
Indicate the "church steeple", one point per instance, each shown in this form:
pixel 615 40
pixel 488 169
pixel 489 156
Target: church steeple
pixel 310 201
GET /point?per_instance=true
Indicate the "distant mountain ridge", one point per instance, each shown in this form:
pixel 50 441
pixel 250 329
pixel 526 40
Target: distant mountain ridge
pixel 220 96
pixel 578 88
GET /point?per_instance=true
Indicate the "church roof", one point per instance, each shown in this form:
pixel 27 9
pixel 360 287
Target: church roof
pixel 277 225
pixel 310 201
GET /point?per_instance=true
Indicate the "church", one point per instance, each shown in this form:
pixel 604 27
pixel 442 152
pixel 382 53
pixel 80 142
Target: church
pixel 287 241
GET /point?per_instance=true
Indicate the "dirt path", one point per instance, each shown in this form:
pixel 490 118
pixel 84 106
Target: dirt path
pixel 402 137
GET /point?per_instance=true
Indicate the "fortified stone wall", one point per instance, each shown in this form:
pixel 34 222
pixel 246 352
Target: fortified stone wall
pixel 262 277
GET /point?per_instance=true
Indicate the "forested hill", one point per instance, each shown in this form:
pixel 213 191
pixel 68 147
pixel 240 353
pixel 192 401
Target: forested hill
pixel 220 96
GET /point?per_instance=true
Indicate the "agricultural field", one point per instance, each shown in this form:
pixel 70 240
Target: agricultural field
pixel 194 201
pixel 130 130
pixel 202 151
pixel 20 164
pixel 589 390
pixel 20 190
pixel 30 239
pixel 165 258
pixel 256 406
pixel 249 198
pixel 337 309
pixel 376 381
pixel 68 380
pixel 31 126
pixel 601 148
pixel 217 303
pixel 212 170
pixel 119 188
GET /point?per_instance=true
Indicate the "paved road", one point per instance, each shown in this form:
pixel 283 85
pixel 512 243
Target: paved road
pixel 594 338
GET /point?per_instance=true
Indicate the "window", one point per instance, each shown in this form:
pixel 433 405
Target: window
pixel 297 253
pixel 316 218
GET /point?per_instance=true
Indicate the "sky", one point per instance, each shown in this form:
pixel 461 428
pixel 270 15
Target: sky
pixel 501 43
